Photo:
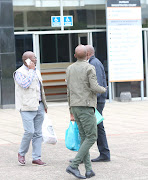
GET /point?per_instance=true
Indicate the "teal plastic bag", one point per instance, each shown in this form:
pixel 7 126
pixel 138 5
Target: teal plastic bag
pixel 99 117
pixel 72 137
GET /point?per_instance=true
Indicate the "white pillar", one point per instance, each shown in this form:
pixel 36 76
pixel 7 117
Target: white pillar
pixel 89 38
pixel 61 14
pixel 146 60
pixel 36 49
pixel 142 91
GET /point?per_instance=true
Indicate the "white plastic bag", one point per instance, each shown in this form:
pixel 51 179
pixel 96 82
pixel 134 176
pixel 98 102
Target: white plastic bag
pixel 48 133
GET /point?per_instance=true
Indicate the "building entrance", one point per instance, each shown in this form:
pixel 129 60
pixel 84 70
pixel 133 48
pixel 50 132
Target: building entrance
pixel 55 52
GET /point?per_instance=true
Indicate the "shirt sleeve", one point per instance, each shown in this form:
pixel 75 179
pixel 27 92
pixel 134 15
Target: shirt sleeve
pixel 68 92
pixel 25 81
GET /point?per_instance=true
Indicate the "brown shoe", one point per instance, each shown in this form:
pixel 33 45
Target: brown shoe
pixel 38 162
pixel 21 160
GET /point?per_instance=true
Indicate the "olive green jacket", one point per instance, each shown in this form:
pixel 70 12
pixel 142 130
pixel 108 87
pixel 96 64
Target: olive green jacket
pixel 82 85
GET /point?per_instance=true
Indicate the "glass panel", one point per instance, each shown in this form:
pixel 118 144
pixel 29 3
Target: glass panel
pixel 74 44
pixel 47 48
pixel 22 43
pixel 99 43
pixel 84 40
pixel 145 15
pixel 54 48
pixel 87 19
pixel 40 19
pixel 18 19
pixel 63 48
pixel 135 89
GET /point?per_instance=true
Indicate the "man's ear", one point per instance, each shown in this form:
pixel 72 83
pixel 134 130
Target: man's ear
pixel 75 56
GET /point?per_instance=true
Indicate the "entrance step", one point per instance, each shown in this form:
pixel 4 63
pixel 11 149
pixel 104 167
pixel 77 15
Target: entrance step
pixel 54 81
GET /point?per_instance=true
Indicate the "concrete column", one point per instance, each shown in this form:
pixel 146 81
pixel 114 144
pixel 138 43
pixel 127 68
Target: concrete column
pixel 7 54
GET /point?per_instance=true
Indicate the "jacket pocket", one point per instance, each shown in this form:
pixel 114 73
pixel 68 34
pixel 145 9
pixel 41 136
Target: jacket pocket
pixel 30 99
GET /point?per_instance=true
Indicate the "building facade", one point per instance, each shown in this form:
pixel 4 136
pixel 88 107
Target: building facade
pixel 54 46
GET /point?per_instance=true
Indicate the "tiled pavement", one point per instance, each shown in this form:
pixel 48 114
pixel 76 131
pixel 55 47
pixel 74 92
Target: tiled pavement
pixel 126 126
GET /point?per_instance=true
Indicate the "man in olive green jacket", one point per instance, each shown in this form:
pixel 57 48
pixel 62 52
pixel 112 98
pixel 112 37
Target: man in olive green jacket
pixel 82 89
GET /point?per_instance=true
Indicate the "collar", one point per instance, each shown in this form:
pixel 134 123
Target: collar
pixel 91 58
pixel 81 60
pixel 27 67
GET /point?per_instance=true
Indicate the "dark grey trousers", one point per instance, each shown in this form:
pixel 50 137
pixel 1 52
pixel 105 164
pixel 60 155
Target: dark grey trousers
pixel 102 140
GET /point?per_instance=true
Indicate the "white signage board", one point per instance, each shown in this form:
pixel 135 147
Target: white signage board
pixel 124 39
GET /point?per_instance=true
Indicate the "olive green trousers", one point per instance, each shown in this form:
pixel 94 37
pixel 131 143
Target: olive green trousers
pixel 86 121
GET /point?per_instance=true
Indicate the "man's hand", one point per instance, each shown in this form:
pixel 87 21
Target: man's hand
pixel 72 117
pixel 46 110
pixel 31 65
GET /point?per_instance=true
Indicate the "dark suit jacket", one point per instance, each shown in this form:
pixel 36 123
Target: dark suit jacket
pixel 101 77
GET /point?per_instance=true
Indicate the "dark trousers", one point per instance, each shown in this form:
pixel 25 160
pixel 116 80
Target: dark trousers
pixel 102 140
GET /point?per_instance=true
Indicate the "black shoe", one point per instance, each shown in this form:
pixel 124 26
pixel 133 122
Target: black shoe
pixel 74 172
pixel 89 174
pixel 73 159
pixel 100 159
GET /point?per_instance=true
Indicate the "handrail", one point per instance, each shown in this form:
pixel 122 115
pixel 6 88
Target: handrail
pixel 60 32
pixel 48 73
pixel 54 80
pixel 55 86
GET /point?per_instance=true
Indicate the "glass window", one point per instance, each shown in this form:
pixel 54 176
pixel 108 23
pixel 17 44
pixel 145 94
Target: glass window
pixel 74 44
pixel 22 43
pixel 87 19
pixel 18 19
pixel 145 16
pixel 135 89
pixel 99 43
pixel 40 19
pixel 54 48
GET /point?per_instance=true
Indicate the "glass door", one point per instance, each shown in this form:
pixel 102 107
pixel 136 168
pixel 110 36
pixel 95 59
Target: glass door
pixel 83 39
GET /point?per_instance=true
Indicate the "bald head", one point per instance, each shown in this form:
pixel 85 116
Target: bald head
pixel 90 51
pixel 30 55
pixel 81 52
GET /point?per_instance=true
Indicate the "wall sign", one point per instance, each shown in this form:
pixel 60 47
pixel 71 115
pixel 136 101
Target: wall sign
pixel 124 37
pixel 56 21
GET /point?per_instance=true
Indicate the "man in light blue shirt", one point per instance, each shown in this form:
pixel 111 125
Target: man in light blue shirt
pixel 31 102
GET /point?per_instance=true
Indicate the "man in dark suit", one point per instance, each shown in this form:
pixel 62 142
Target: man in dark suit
pixel 101 78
